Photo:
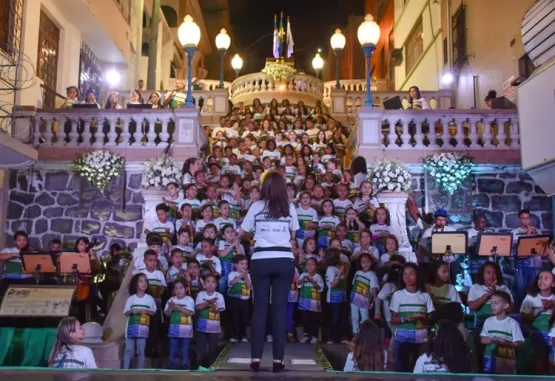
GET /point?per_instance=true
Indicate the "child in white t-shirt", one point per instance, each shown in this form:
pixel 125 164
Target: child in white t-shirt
pixel 139 309
pixel 502 335
pixel 180 310
pixel 239 292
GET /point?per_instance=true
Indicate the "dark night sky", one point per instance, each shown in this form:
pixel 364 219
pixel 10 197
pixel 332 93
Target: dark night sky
pixel 312 23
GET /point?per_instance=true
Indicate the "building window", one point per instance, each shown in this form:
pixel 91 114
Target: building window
pixel 459 37
pixel 525 67
pixel 90 73
pixel 49 46
pixel 171 16
pixel 414 47
pixel 11 19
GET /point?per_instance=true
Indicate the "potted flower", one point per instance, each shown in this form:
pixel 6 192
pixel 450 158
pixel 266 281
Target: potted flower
pixel 391 181
pixel 99 167
pixel 449 169
pixel 277 72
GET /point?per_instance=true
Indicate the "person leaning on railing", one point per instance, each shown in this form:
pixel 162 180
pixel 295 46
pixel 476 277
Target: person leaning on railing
pixel 416 100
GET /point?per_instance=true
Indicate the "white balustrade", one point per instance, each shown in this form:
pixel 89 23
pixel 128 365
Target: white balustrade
pixel 437 130
pixel 103 128
pixel 297 87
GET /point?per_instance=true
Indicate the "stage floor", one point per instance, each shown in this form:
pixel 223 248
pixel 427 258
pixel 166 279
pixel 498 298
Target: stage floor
pixel 68 375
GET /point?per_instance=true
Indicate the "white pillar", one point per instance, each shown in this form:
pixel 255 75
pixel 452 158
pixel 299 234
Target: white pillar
pixel 395 202
pixel 152 197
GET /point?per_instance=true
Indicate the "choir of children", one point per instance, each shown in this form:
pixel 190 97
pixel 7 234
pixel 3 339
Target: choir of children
pixel 348 264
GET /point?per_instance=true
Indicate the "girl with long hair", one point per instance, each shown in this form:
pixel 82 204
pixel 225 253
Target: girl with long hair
pixel 112 102
pixel 446 351
pixel 273 220
pixel 367 353
pixel 190 167
pixel 416 100
pixel 66 352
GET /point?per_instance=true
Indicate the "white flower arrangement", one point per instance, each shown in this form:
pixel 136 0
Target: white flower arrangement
pixel 99 167
pixel 277 71
pixel 387 175
pixel 160 171
pixel 449 169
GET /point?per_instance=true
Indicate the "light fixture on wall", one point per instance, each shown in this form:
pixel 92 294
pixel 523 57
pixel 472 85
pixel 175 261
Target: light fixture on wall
pixel 337 42
pixel 189 36
pixel 447 78
pixel 368 34
pixel 222 43
pixel 113 77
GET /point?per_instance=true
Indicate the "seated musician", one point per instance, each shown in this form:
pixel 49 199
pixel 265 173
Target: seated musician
pixel 114 270
pixel 87 293
pixel 440 225
pixel 480 226
pixel 11 261
pixel 527 269
pixel 56 245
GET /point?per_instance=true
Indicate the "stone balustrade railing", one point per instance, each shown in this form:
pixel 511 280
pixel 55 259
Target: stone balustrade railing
pixel 491 136
pixel 141 133
pixel 298 87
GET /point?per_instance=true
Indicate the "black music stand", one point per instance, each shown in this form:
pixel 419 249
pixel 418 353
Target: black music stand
pixel 533 246
pixel 494 245
pixel 38 263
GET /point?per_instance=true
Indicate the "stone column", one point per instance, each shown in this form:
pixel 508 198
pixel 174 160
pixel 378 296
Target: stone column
pixel 152 197
pixel 395 202
pixel 189 137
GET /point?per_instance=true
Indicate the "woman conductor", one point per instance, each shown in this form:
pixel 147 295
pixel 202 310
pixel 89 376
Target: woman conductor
pixel 273 220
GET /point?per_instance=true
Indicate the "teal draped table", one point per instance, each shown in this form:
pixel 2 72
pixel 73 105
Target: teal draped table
pixel 26 346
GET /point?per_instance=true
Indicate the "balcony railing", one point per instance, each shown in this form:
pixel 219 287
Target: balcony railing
pixel 297 87
pixel 61 134
pixel 492 135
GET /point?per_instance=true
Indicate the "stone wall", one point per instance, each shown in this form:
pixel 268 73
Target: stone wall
pixel 60 204
pixel 499 196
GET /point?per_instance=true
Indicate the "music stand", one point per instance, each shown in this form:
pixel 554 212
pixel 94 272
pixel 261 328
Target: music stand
pixel 449 243
pixel 495 245
pixel 533 246
pixel 71 262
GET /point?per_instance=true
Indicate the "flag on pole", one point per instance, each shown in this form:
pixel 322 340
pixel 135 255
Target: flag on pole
pixel 290 42
pixel 276 38
pixel 281 37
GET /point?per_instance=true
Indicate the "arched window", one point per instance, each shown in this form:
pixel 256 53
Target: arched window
pixel 171 15
pixel 144 49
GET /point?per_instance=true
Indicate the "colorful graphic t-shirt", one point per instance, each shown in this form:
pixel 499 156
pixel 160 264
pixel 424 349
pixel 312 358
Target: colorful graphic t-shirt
pixel 476 292
pixel 306 219
pixel 445 294
pixel 293 296
pixel 138 324
pixel 337 293
pixel 216 263
pixel 309 296
pixel 408 304
pixel 227 260
pixel 178 100
pixel 209 321
pixel 540 325
pixel 363 284
pixel 341 206
pixel 156 283
pixel 239 290
pixel 181 325
pixel 501 359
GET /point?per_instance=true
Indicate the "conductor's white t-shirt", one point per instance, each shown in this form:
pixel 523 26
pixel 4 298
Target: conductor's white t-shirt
pixel 272 236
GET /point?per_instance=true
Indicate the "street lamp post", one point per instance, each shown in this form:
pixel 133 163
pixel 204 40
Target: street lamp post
pixel 237 64
pixel 222 43
pixel 189 36
pixel 317 63
pixel 368 35
pixel 337 44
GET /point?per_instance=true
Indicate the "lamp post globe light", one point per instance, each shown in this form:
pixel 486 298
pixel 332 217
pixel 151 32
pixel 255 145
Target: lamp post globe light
pixel 368 34
pixel 237 64
pixel 222 43
pixel 337 42
pixel 189 36
pixel 317 63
